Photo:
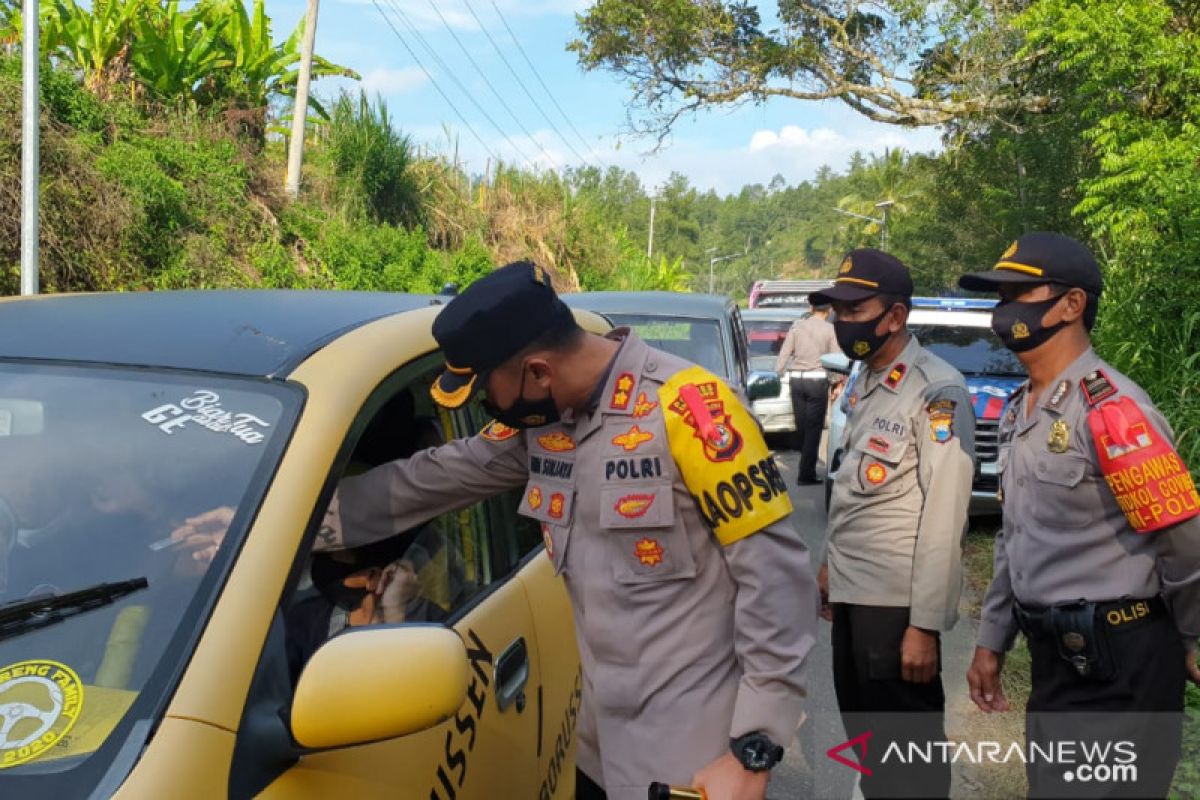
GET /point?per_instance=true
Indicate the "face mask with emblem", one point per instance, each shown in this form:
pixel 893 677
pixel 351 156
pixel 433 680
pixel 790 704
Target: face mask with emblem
pixel 1019 324
pixel 523 413
pixel 858 340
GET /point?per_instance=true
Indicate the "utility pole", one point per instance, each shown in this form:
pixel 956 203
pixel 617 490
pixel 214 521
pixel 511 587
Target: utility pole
pixel 300 109
pixel 650 238
pixel 30 160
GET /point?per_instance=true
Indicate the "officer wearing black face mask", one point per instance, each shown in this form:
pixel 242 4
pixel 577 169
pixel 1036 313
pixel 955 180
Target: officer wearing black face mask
pixel 1098 562
pixel 661 507
pixel 897 515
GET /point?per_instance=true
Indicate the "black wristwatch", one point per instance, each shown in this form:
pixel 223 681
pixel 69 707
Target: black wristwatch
pixel 756 751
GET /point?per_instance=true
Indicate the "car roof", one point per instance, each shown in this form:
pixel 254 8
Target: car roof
pixel 775 313
pixel 655 304
pixel 246 332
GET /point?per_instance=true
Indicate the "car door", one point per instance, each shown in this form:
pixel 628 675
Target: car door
pixel 468 578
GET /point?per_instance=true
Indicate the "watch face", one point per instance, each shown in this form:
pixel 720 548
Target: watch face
pixel 757 756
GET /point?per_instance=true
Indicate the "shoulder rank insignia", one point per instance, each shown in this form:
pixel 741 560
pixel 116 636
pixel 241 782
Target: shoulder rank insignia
pixel 1060 437
pixel 622 392
pixel 941 420
pixel 896 376
pixel 1097 387
pixel 498 432
pixel 1060 392
pixel 642 407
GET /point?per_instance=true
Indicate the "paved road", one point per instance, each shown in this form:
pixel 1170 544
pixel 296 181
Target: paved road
pixel 806 771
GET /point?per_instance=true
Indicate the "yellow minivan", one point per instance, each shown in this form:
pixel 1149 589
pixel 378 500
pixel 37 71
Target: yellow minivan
pixel 133 664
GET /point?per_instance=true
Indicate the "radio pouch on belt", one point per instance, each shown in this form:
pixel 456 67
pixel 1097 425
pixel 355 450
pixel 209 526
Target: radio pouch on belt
pixel 1081 641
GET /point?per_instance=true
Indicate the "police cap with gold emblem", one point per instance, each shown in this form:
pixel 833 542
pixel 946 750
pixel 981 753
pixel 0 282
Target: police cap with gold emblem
pixel 495 318
pixel 1040 257
pixel 866 272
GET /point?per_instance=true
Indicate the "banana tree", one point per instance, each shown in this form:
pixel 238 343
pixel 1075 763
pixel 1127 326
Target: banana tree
pixel 96 41
pixel 174 51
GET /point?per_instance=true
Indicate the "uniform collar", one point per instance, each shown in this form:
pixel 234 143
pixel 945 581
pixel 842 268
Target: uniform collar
pixel 619 392
pixel 1059 391
pixel 893 376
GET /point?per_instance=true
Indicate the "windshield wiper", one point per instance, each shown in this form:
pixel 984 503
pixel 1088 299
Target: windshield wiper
pixel 19 616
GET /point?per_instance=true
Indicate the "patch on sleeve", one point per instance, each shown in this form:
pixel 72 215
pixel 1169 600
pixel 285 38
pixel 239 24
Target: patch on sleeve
pixel 941 420
pixel 1097 387
pixel 498 432
pixel 1147 477
pixel 721 455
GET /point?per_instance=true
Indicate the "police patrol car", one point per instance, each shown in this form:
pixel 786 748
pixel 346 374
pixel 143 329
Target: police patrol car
pixel 959 331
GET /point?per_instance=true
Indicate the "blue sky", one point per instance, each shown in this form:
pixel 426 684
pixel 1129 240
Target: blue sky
pixel 723 149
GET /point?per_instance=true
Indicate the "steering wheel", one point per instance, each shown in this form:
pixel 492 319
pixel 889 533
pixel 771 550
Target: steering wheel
pixel 15 712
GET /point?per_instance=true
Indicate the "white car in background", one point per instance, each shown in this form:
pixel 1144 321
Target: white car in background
pixel 958 330
pixel 766 328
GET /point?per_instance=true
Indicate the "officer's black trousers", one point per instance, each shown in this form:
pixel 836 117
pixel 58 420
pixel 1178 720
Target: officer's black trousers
pixel 1143 706
pixel 588 789
pixel 809 399
pixel 874 699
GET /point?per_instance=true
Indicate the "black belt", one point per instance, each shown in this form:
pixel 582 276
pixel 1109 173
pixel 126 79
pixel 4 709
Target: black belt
pixel 1117 615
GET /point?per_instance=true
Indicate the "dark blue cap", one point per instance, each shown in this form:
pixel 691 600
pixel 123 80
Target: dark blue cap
pixel 864 273
pixel 1041 257
pixel 495 318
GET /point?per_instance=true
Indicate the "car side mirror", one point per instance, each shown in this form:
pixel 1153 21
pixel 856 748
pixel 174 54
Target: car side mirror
pixel 836 362
pixel 379 683
pixel 762 384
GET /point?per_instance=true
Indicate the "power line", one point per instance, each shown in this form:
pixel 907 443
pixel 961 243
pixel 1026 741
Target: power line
pixel 434 83
pixel 488 83
pixel 521 83
pixel 537 75
pixel 450 73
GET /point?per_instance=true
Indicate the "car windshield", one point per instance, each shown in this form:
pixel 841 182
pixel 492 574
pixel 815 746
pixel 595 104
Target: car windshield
pixel 970 350
pixel 99 607
pixel 766 335
pixel 697 340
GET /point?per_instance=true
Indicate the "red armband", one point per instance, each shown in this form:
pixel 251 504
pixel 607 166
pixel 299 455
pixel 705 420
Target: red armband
pixel 1148 478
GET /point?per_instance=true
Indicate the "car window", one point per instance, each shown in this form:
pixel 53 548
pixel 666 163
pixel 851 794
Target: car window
pixel 972 351
pixel 97 468
pixel 693 339
pixel 766 336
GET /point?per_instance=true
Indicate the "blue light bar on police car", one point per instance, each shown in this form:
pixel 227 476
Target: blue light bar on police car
pixel 954 303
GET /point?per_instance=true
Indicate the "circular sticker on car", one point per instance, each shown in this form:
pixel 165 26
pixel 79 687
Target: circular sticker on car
pixel 40 702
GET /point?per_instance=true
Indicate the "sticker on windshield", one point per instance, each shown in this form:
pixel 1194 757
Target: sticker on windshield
pixel 203 408
pixel 40 702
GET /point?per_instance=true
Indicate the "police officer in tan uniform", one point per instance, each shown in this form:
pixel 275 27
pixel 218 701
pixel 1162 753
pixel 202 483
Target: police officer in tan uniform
pixel 1098 562
pixel 897 516
pixel 694 601
pixel 800 357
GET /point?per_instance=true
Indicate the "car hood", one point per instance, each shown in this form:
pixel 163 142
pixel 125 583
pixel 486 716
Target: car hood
pixel 989 394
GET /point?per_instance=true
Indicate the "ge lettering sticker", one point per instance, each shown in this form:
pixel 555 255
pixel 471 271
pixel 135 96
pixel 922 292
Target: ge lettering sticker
pixel 203 408
pixel 40 701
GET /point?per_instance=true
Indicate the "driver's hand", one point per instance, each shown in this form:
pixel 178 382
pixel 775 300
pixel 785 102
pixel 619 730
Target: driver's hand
pixel 203 534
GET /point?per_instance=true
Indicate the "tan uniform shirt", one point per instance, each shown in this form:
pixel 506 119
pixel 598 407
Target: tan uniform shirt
pixel 1064 536
pixel 807 340
pixel 898 511
pixel 694 601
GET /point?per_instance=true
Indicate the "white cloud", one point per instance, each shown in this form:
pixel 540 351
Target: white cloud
pixel 393 81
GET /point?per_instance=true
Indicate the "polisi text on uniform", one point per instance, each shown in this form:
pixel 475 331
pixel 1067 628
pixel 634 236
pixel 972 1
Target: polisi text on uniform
pixel 632 468
pixel 732 498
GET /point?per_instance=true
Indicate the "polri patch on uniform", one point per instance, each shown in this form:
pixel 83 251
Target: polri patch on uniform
pixel 1060 437
pixel 941 420
pixel 1097 387
pixel 896 376
pixel 632 439
pixel 648 551
pixel 496 431
pixel 1060 392
pixel 642 406
pixel 557 442
pixel 622 391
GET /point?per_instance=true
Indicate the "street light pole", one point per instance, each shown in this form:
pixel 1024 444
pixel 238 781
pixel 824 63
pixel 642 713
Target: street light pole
pixel 650 238
pixel 881 222
pixel 30 157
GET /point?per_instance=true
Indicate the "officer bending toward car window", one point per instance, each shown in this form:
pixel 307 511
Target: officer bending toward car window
pixel 694 602
pixel 800 357
pixel 897 516
pixel 1098 561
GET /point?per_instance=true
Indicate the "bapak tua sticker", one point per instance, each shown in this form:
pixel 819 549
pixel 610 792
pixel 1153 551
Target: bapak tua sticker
pixel 203 408
pixel 40 701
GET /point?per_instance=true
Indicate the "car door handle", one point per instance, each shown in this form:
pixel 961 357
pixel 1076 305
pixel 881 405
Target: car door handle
pixel 511 674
